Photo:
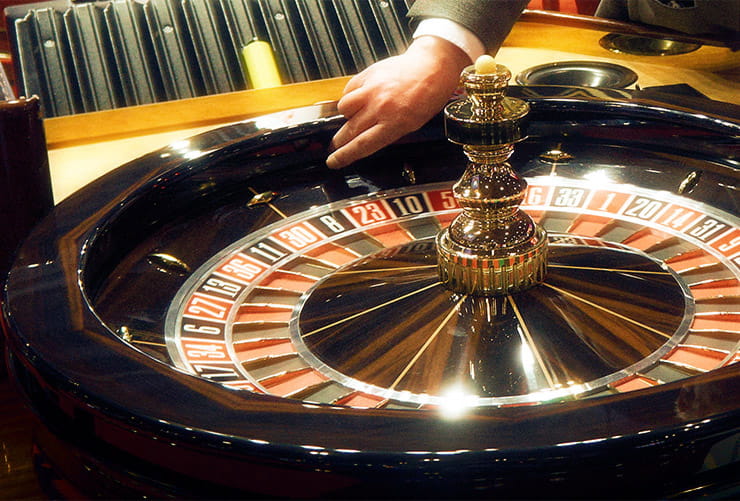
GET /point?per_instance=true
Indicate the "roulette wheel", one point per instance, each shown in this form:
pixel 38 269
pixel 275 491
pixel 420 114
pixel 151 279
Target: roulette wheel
pixel 226 317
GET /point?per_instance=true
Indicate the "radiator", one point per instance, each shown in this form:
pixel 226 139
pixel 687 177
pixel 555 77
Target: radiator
pixel 83 57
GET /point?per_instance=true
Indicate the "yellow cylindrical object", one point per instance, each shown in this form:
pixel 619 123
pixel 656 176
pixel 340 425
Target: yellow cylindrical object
pixel 259 61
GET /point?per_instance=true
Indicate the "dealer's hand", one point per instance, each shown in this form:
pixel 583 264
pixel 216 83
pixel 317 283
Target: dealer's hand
pixel 395 96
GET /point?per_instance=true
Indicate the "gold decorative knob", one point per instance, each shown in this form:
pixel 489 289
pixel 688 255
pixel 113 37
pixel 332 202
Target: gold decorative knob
pixel 492 247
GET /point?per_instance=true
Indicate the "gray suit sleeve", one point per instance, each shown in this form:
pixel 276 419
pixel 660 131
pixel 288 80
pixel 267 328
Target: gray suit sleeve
pixel 490 20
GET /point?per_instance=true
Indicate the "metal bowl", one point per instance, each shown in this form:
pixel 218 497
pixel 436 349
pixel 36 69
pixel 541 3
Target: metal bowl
pixel 578 73
pixel 645 46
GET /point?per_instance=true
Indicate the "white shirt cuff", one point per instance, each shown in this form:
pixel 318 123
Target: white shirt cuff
pixel 452 32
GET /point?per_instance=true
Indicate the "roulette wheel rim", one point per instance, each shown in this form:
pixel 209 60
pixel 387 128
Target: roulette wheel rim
pixel 320 445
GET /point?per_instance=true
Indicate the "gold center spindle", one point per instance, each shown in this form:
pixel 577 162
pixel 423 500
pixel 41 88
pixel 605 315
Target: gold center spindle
pixel 493 247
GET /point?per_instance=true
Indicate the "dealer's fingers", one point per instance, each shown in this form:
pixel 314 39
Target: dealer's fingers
pixel 364 144
pixel 351 103
pixel 353 127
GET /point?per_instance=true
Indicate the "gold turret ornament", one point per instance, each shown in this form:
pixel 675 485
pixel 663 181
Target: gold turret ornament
pixel 492 247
